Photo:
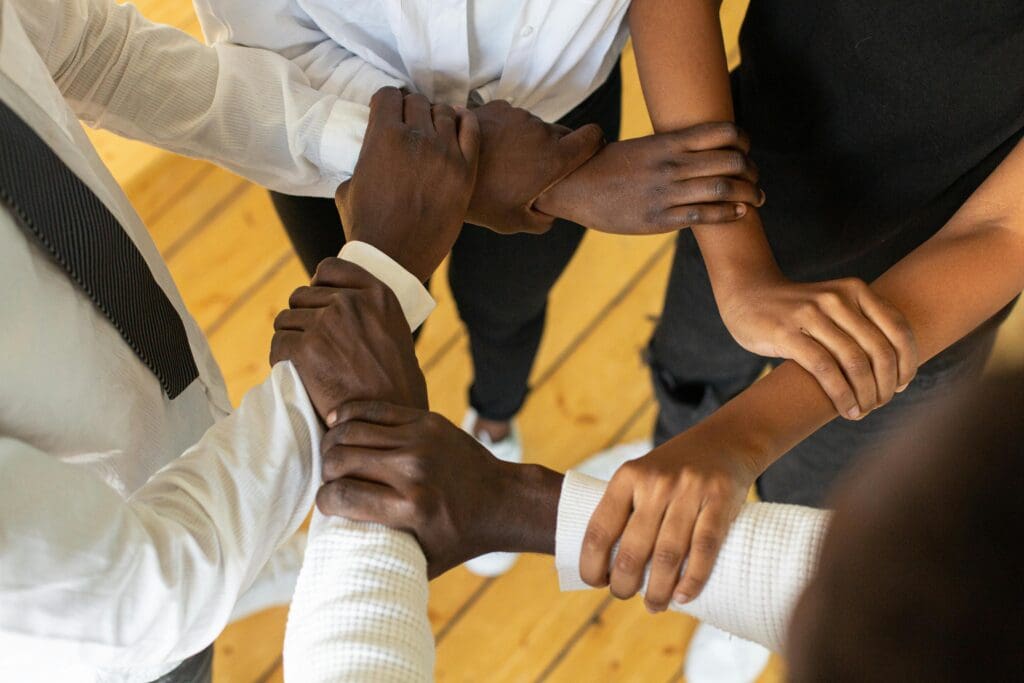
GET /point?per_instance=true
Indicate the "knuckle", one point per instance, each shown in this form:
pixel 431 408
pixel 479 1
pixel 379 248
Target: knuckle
pixel 721 188
pixel 627 562
pixel 667 557
pixel 596 538
pixel 706 543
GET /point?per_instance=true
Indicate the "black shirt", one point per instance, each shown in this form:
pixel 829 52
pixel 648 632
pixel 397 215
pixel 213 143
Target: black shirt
pixel 873 121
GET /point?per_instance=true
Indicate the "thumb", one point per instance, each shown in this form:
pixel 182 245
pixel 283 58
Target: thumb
pixel 578 146
pixel 469 135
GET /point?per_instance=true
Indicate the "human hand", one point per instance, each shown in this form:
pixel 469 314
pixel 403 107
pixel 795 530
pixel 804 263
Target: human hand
pixel 412 184
pixel 661 183
pixel 349 340
pixel 675 504
pixel 520 157
pixel 414 470
pixel 857 345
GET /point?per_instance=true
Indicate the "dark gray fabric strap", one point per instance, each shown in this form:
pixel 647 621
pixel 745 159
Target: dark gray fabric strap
pixel 68 219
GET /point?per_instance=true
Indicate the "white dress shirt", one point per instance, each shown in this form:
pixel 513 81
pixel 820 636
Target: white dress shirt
pixel 129 523
pixel 546 56
pixel 252 111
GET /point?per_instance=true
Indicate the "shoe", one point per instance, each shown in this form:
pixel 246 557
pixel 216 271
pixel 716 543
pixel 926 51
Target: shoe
pixel 509 449
pixel 604 464
pixel 275 584
pixel 715 656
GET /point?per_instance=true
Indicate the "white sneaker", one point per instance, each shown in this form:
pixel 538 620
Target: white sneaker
pixel 275 584
pixel 509 449
pixel 715 656
pixel 604 464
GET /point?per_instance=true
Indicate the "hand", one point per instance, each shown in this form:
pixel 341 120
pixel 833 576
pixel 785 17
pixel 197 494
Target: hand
pixel 520 157
pixel 349 340
pixel 412 183
pixel 676 503
pixel 661 183
pixel 414 470
pixel 857 345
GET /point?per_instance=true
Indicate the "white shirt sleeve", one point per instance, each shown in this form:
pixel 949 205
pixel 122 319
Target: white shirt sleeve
pixel 767 559
pixel 96 579
pixel 250 110
pixel 284 27
pixel 359 612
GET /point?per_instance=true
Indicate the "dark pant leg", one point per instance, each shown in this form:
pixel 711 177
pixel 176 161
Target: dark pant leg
pixel 808 473
pixel 196 669
pixel 501 283
pixel 695 364
pixel 313 226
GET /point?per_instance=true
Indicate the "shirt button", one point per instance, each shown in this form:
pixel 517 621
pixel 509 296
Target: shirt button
pixel 527 30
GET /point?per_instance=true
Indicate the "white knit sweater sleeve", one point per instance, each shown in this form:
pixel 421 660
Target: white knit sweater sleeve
pixel 359 613
pixel 360 608
pixel 768 557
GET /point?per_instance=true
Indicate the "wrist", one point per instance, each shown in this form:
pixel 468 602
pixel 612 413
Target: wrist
pixel 526 509
pixel 560 200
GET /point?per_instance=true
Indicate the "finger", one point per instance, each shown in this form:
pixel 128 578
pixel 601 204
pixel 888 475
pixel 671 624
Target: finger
pixel 366 464
pixel 718 162
pixel 312 297
pixel 385 106
pixel 283 345
pixel 579 146
pixel 670 550
pixel 334 272
pixel 627 575
pixel 296 319
pixel 711 135
pixel 882 355
pixel 363 501
pixel 376 412
pixel 714 190
pixel 897 330
pixel 604 529
pixel 444 122
pixel 469 137
pixel 682 217
pixel 853 361
pixel 815 359
pixel 417 114
pixel 708 535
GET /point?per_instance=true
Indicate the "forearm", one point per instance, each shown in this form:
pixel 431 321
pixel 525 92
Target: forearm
pixel 766 560
pixel 250 110
pixel 945 288
pixel 179 551
pixel 685 77
pixel 360 607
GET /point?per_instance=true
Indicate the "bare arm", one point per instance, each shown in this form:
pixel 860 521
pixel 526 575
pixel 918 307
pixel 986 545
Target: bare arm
pixel 696 483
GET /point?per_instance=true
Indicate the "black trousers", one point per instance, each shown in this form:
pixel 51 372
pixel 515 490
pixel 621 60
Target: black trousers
pixel 500 283
pixel 696 367
pixel 196 669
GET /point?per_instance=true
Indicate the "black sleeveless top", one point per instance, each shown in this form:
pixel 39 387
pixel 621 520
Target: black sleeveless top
pixel 874 120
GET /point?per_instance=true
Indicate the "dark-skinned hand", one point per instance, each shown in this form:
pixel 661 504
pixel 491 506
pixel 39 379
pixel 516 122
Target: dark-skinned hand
pixel 415 471
pixel 661 183
pixel 412 184
pixel 520 157
pixel 349 341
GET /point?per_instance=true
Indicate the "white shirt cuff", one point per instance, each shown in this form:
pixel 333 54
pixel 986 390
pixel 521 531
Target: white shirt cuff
pixel 414 298
pixel 579 499
pixel 342 138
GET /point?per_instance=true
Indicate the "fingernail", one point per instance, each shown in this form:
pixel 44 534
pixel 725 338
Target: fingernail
pixel 741 209
pixel 681 598
pixel 853 413
pixel 901 389
pixel 650 609
pixel 332 418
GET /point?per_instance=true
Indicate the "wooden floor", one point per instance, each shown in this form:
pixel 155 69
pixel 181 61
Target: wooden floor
pixel 233 263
